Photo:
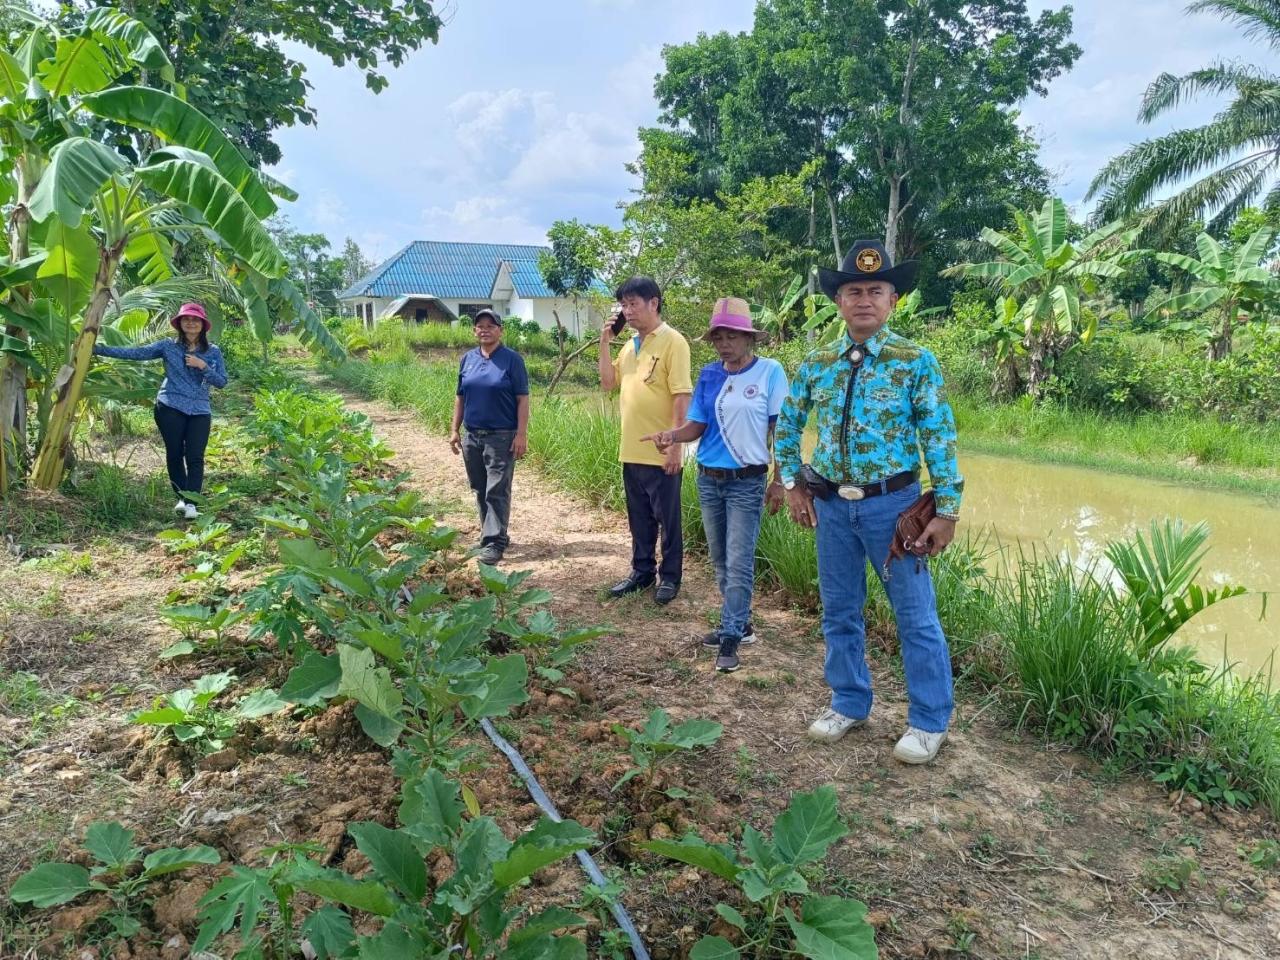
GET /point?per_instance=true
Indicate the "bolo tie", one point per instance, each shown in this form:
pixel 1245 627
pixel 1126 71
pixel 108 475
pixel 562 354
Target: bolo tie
pixel 855 355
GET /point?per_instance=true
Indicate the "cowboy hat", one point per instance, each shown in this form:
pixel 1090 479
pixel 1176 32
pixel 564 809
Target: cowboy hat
pixel 733 313
pixel 869 260
pixel 190 310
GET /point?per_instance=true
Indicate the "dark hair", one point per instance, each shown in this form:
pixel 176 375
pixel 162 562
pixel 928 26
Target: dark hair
pixel 646 288
pixel 202 344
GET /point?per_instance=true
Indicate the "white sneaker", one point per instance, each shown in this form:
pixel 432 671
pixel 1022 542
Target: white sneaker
pixel 919 746
pixel 180 507
pixel 831 726
pixel 189 511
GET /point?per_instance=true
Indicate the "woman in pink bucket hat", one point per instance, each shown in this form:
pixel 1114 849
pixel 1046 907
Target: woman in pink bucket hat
pixel 182 410
pixel 735 405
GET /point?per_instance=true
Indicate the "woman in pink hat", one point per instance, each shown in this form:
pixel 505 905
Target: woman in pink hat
pixel 735 405
pixel 191 366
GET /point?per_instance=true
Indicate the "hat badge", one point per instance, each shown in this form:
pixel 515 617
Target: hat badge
pixel 869 260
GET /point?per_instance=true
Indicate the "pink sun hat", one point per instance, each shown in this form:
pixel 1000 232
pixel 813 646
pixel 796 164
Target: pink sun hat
pixel 733 313
pixel 191 310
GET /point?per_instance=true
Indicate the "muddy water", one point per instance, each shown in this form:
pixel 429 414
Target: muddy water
pixel 1077 511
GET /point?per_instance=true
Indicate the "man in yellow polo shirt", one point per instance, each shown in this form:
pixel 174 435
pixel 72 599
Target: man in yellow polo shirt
pixel 652 371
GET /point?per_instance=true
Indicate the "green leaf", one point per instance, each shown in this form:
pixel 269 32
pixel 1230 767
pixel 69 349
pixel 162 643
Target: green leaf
pixel 714 948
pixel 432 801
pixel 160 717
pixel 330 933
pixel 394 942
pixel 508 679
pixel 260 703
pixel 368 683
pixel 176 121
pixel 730 915
pixel 70 265
pixel 695 733
pixel 182 648
pixel 341 888
pixel 313 331
pixel 394 857
pixel 313 681
pixel 50 884
pixel 78 167
pixel 81 64
pixel 697 853
pixel 242 895
pixel 111 844
pixel 306 554
pixel 546 843
pixel 833 928
pixel 171 859
pixel 139 44
pixel 808 826
pixel 384 731
pixel 548 921
pixel 13 79
pixel 226 212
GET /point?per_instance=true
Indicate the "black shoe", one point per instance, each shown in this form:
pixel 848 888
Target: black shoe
pixel 727 661
pixel 712 640
pixel 666 592
pixel 633 584
pixel 490 555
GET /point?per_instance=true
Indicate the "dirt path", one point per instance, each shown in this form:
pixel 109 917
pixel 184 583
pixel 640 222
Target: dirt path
pixel 1005 848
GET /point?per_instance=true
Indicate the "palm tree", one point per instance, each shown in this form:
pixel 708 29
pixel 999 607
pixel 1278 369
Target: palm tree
pixel 1236 155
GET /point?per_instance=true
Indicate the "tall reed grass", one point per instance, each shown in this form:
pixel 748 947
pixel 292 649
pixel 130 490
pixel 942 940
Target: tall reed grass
pixel 1063 648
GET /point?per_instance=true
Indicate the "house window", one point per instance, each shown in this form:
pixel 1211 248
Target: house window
pixel 471 309
pixel 420 315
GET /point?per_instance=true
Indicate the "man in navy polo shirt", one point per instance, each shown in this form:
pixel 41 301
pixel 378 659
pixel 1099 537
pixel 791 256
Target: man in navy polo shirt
pixel 493 404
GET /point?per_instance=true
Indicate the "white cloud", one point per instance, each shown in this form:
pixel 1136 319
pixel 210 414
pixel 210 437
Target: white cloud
pixel 483 218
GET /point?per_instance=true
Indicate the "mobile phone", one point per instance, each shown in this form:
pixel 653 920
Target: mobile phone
pixel 619 322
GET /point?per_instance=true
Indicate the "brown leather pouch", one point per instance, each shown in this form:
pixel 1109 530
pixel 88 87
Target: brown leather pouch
pixel 910 527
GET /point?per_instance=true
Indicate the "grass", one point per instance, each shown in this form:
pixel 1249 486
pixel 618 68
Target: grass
pixel 1062 649
pixel 1197 451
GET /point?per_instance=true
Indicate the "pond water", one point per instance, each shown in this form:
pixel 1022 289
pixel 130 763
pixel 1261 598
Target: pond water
pixel 1077 511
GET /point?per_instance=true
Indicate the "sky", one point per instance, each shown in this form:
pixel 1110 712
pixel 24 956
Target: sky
pixel 526 113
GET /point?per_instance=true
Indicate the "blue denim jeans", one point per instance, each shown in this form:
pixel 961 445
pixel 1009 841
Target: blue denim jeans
pixel 851 532
pixel 731 511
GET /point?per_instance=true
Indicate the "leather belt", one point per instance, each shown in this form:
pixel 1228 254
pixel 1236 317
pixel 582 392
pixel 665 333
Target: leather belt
pixel 823 488
pixel 741 473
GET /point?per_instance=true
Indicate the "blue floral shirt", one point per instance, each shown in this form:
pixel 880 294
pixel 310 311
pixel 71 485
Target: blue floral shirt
pixel 898 411
pixel 184 388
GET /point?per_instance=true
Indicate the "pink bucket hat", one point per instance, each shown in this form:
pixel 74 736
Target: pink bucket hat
pixel 733 313
pixel 190 310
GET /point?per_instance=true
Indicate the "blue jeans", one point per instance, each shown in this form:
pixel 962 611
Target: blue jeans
pixel 851 532
pixel 731 511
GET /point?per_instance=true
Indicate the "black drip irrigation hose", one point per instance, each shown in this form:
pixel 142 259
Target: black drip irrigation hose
pixel 540 797
pixel 549 808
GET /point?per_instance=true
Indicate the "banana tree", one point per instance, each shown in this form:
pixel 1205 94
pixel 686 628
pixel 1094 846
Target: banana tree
pixel 1046 274
pixel 1230 282
pixel 125 202
pixel 42 72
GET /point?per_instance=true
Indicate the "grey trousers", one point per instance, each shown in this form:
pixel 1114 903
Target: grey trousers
pixel 490 467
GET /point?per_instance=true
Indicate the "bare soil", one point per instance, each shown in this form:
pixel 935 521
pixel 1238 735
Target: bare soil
pixel 1006 847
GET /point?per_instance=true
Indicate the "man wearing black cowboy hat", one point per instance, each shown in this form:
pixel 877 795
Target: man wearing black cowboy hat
pixel 877 402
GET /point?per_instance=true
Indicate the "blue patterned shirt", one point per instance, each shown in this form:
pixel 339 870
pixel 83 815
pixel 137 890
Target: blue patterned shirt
pixel 898 411
pixel 184 388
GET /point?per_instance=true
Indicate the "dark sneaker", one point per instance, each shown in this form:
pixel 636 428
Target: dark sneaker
pixel 727 661
pixel 633 584
pixel 712 640
pixel 490 555
pixel 666 592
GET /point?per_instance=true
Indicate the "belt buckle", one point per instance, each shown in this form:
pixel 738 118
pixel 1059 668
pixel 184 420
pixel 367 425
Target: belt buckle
pixel 850 491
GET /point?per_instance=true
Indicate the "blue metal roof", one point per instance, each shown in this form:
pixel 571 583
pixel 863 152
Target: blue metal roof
pixel 452 270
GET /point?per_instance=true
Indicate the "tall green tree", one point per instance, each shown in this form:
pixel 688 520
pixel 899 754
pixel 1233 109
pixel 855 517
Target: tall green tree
pixel 1221 166
pixel 901 111
pixel 228 54
pixel 353 262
